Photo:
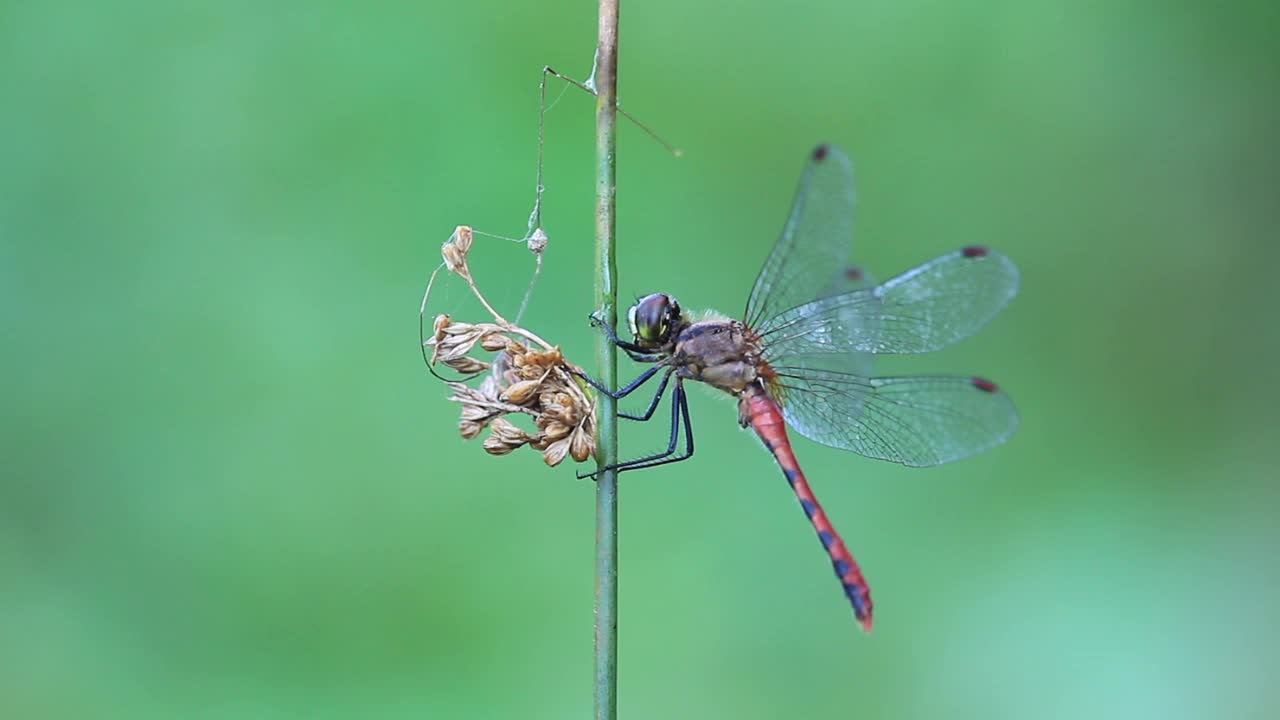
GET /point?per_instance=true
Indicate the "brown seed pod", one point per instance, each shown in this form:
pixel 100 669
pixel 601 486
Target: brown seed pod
pixel 455 250
pixel 556 452
pixel 494 342
pixel 554 430
pixel 580 445
pixel 476 413
pixel 469 429
pixel 527 376
pixel 504 437
pixel 467 365
pixel 521 392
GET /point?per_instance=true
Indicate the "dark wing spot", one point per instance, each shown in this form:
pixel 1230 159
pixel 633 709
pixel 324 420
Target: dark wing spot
pixel 809 507
pixel 820 153
pixel 974 251
pixel 826 538
pixel 984 385
pixel 853 272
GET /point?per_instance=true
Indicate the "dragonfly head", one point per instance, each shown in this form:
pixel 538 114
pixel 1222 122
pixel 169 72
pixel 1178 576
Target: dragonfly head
pixel 653 318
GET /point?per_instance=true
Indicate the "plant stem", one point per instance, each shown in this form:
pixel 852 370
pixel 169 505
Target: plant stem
pixel 605 78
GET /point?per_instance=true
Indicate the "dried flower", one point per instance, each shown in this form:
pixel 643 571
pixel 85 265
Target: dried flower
pixel 467 365
pixel 477 414
pixel 504 436
pixel 455 250
pixel 555 452
pixel 526 376
pixel 554 430
pixel 521 392
pixel 469 429
pixel 494 342
pixel 581 446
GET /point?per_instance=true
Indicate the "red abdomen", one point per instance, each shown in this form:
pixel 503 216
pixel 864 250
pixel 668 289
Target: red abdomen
pixel 765 417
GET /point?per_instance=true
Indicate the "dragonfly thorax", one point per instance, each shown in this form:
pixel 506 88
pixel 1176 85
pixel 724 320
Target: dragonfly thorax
pixel 720 353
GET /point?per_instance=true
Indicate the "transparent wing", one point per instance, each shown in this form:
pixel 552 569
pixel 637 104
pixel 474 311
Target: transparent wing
pixel 816 241
pixel 916 421
pixel 847 280
pixel 926 308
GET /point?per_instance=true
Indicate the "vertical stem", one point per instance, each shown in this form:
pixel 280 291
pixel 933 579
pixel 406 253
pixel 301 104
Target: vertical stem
pixel 606 85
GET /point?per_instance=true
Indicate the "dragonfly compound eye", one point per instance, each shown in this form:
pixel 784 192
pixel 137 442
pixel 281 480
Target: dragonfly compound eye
pixel 652 317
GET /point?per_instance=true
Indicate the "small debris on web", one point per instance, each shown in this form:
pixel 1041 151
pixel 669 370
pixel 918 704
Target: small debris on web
pixel 525 376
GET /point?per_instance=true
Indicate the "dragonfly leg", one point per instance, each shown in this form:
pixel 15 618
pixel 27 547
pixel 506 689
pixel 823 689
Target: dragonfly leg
pixel 627 389
pixel 635 352
pixel 631 387
pixel 679 413
pixel 671 443
pixel 653 404
pixel 682 401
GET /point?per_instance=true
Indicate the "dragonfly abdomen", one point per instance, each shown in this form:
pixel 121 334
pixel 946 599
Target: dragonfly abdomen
pixel 764 416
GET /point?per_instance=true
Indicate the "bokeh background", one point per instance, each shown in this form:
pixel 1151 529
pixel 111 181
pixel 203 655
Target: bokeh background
pixel 231 490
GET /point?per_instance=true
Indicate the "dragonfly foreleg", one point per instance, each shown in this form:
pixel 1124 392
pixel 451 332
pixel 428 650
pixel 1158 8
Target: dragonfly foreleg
pixel 627 389
pixel 679 413
pixel 653 404
pixel 635 352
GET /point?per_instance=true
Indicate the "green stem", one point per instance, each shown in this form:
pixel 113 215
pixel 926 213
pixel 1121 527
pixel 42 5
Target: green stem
pixel 606 85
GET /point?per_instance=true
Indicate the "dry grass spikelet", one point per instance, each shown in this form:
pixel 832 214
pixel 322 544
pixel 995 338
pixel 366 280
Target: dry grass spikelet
pixel 525 376
pixel 520 380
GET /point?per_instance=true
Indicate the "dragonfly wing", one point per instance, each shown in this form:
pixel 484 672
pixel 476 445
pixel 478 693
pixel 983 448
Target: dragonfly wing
pixel 847 280
pixel 816 241
pixel 926 308
pixel 916 421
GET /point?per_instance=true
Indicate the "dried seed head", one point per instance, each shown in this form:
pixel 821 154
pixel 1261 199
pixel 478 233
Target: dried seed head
pixel 469 429
pixel 580 445
pixel 521 378
pixel 556 413
pixel 462 237
pixel 555 452
pixel 458 339
pixel 521 392
pixel 510 432
pixel 464 393
pixel 494 342
pixel 504 437
pixel 453 259
pixel 455 250
pixel 437 335
pixel 477 413
pixel 544 359
pixel 495 446
pixel 454 329
pixel 467 365
pixel 561 407
pixel 554 430
pixel 438 325
pixel 489 389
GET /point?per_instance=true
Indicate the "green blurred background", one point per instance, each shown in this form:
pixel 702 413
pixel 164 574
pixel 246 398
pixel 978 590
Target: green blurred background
pixel 231 490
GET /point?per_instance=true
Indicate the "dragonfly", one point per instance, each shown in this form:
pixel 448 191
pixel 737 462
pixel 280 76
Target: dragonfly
pixel 801 356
